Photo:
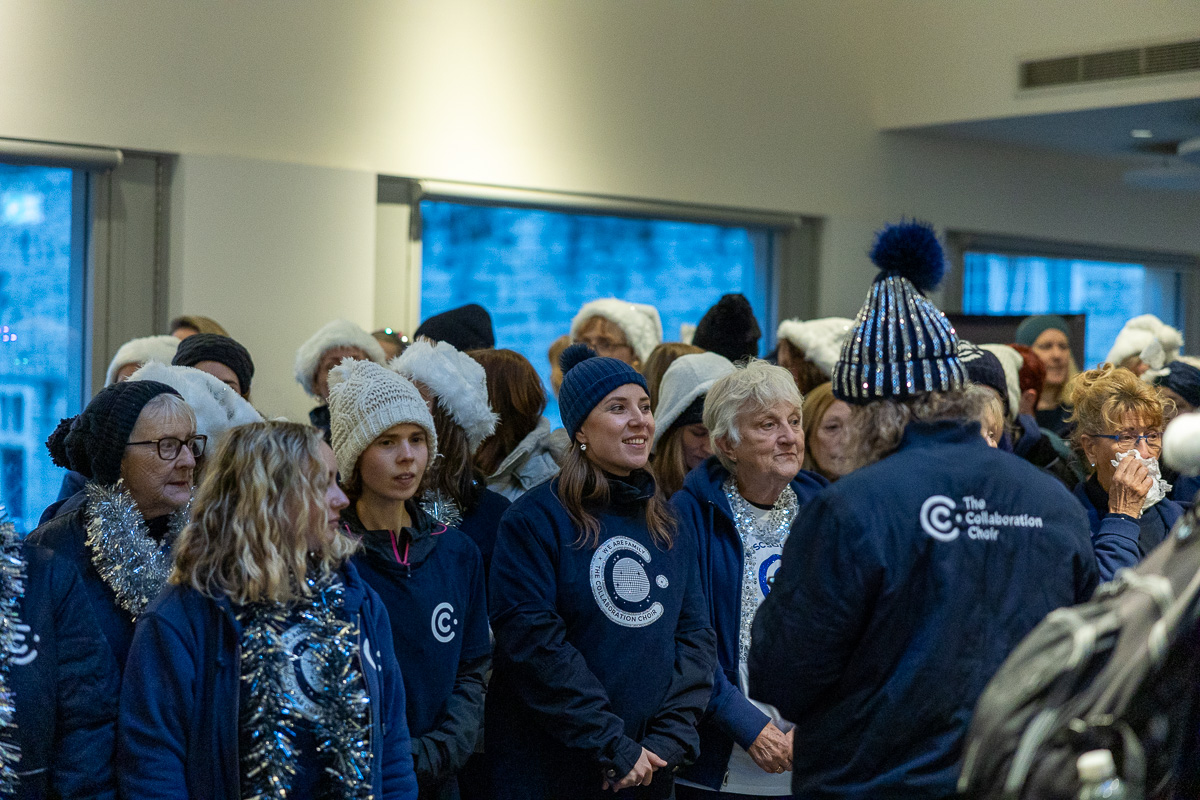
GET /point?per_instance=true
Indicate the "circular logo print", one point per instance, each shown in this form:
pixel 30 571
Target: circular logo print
pixel 443 622
pixel 302 682
pixel 620 581
pixel 937 518
pixel 766 573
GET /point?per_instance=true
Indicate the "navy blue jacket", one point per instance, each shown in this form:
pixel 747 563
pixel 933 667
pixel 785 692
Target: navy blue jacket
pixel 730 716
pixel 65 683
pixel 482 522
pixel 1121 541
pixel 599 650
pixel 70 494
pixel 178 730
pixel 903 588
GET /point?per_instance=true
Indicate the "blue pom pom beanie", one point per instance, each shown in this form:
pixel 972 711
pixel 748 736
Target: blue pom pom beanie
pixel 587 379
pixel 901 344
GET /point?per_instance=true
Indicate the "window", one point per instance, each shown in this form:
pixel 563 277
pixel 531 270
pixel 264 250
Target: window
pixel 40 343
pixel 534 268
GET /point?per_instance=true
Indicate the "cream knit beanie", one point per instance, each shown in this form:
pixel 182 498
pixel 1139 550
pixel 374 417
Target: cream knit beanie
pixel 365 399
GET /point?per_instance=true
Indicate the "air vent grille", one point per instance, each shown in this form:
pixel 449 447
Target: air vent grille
pixel 1111 65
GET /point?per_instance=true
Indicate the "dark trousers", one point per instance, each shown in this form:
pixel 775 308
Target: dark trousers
pixel 692 793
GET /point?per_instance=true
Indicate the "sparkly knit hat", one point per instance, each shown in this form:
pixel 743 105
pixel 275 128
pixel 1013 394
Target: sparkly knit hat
pixel 93 443
pixel 587 379
pixel 365 399
pixel 901 344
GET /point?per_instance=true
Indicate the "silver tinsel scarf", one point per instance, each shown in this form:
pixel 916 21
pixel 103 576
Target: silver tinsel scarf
pixel 128 559
pixel 441 507
pixel 269 713
pixel 12 589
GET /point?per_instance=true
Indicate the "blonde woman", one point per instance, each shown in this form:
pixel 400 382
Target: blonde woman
pixel 266 669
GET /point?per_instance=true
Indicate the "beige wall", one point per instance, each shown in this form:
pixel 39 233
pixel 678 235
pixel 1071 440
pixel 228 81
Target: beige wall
pixel 284 111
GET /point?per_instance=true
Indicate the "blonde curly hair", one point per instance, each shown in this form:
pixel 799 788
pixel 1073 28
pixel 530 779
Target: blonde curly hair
pixel 1104 396
pixel 261 503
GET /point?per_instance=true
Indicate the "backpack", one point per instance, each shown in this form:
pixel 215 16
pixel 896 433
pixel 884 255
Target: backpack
pixel 1119 672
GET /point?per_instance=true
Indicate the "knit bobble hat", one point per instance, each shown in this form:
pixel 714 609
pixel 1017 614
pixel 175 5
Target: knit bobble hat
pixel 587 379
pixel 139 351
pixel 638 321
pixel 365 399
pixel 468 327
pixel 687 380
pixel 339 333
pixel 1150 339
pixel 93 443
pixel 213 347
pixel 456 380
pixel 820 339
pixel 1181 376
pixel 984 368
pixel 729 329
pixel 901 344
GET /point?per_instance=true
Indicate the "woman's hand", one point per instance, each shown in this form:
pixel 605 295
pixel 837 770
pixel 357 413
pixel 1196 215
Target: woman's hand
pixel 772 750
pixel 1131 482
pixel 641 774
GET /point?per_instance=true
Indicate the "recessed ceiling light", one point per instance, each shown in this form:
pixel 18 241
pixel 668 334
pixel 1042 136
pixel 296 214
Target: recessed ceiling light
pixel 1141 133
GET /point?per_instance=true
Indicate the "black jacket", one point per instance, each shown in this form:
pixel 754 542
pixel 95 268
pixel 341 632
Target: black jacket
pixel 66 686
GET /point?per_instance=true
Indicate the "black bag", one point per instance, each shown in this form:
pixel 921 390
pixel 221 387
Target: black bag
pixel 1119 672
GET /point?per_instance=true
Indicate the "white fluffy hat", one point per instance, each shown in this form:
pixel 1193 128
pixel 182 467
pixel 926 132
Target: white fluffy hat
pixel 339 333
pixel 1181 444
pixel 640 322
pixel 1012 362
pixel 456 380
pixel 139 351
pixel 687 378
pixel 217 407
pixel 1150 339
pixel 365 399
pixel 820 339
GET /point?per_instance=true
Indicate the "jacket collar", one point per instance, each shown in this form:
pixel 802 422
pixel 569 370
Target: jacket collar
pixel 532 442
pixel 944 431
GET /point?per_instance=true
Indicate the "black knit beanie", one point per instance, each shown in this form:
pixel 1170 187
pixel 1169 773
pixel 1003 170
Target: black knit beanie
pixel 214 347
pixel 468 327
pixel 729 329
pixel 93 443
pixel 983 367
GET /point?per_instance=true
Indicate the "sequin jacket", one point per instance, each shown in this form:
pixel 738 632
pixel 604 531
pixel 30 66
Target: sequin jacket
pixel 903 588
pixel 730 717
pixel 178 725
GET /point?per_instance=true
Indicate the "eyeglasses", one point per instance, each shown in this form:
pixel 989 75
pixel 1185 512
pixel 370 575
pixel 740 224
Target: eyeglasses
pixel 1128 440
pixel 169 447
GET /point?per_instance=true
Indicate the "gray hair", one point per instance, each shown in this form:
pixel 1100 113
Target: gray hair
pixel 751 387
pixel 876 428
pixel 167 408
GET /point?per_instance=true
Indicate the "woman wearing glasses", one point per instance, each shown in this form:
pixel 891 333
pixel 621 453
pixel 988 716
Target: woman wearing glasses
pixel 1118 421
pixel 137 446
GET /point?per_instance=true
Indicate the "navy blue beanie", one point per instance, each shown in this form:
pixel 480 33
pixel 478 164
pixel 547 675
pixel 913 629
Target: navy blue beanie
pixel 1183 379
pixel 587 379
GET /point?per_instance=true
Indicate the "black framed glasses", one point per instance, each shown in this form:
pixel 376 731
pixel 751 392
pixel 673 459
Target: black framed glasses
pixel 1128 440
pixel 169 446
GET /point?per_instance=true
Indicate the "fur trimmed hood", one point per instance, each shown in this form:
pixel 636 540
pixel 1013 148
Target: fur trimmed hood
pixel 639 321
pixel 820 339
pixel 217 407
pixel 139 351
pixel 456 380
pixel 339 333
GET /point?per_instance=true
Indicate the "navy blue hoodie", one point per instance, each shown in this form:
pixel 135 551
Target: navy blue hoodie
pixel 178 729
pixel 730 717
pixel 1119 540
pixel 599 650
pixel 903 588
pixel 65 683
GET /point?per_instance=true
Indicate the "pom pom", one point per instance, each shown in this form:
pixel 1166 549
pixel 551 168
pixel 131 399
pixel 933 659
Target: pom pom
pixel 57 443
pixel 1181 444
pixel 910 250
pixel 341 373
pixel 573 355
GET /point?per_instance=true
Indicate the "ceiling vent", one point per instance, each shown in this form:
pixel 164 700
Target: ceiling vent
pixel 1136 62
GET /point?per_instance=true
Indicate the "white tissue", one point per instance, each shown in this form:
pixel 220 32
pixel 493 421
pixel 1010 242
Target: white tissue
pixel 1160 488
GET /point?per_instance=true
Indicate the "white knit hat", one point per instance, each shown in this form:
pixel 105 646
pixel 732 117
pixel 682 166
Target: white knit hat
pixel 638 321
pixel 820 339
pixel 1149 338
pixel 456 380
pixel 217 407
pixel 139 351
pixel 365 399
pixel 1012 362
pixel 687 378
pixel 339 333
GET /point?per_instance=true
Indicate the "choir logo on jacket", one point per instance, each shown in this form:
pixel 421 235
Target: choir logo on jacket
pixel 621 583
pixel 443 622
pixel 941 519
pixel 20 649
pixel 303 682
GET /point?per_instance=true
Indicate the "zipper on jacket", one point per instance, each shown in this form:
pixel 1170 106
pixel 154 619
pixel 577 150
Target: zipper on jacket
pixel 396 553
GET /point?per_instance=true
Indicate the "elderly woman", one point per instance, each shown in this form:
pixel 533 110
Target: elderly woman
pixel 826 433
pixel 618 329
pixel 266 669
pixel 136 445
pixel 681 441
pixel 742 503
pixel 1118 422
pixel 603 648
